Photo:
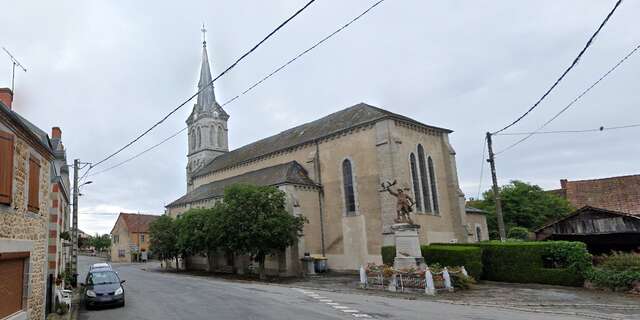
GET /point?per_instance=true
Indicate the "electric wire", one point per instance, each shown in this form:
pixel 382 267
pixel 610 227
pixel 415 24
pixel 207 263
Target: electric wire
pixel 251 86
pixel 257 83
pixel 482 164
pixel 204 87
pixel 602 128
pixel 582 94
pixel 140 153
pixel 573 64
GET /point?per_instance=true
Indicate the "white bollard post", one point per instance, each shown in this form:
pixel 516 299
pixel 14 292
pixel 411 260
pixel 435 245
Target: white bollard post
pixel 363 277
pixel 429 287
pixel 392 284
pixel 464 271
pixel 447 279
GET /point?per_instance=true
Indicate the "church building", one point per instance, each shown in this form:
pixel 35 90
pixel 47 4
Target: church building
pixel 331 171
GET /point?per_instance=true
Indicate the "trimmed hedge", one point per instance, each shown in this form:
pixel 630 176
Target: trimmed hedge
pixel 550 262
pixel 469 257
pixel 388 254
pixel 546 262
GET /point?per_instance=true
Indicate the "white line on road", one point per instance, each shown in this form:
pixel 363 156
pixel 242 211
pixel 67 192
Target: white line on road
pixel 334 305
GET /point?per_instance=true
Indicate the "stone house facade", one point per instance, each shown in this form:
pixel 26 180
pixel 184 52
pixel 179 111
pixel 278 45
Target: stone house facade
pixel 130 234
pixel 25 185
pixel 331 170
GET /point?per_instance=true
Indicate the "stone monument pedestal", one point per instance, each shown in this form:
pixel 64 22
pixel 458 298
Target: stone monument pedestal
pixel 408 254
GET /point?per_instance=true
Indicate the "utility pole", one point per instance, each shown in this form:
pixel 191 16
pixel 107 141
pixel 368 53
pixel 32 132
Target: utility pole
pixel 74 248
pixel 496 190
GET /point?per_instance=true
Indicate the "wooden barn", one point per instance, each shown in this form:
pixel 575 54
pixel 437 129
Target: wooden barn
pixel 601 229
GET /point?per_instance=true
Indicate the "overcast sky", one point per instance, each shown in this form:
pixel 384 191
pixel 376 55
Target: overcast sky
pixel 104 71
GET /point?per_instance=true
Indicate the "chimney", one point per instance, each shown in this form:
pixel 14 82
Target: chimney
pixel 563 183
pixel 6 97
pixel 56 133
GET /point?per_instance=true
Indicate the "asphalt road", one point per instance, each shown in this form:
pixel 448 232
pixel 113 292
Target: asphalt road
pixel 158 296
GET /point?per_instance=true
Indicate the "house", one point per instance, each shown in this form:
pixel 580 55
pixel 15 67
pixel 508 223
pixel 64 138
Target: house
pixel 476 224
pixel 331 171
pixel 602 230
pixel 620 193
pixel 25 206
pixel 130 234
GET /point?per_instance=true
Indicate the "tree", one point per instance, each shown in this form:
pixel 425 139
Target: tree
pixel 198 232
pixel 100 242
pixel 253 220
pixel 523 205
pixel 518 233
pixel 163 237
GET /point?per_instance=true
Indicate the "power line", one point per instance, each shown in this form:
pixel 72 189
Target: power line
pixel 141 153
pixel 257 83
pixel 253 85
pixel 574 63
pixel 209 84
pixel 484 149
pixel 571 131
pixel 574 100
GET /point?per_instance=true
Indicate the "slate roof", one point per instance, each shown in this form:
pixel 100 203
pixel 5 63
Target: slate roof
pixel 286 173
pixel 342 120
pixel 31 128
pixel 615 193
pixel 137 222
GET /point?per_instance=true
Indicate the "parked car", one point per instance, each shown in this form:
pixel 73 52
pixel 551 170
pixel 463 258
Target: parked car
pixel 100 265
pixel 103 287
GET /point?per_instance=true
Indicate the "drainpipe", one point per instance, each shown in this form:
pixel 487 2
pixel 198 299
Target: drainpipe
pixel 320 196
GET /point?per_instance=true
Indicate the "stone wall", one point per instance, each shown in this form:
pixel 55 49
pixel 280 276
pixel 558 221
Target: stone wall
pixel 17 223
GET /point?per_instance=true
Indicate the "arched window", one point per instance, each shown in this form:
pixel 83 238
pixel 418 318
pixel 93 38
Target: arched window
pixel 220 137
pixel 199 138
pixel 192 139
pixel 478 233
pixel 416 182
pixel 424 179
pixel 349 193
pixel 432 178
pixel 212 135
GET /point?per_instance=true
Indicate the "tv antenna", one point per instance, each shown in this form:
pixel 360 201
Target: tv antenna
pixel 13 71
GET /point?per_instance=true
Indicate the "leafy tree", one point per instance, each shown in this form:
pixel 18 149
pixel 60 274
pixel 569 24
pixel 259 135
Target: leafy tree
pixel 523 205
pixel 253 220
pixel 163 237
pixel 100 242
pixel 198 231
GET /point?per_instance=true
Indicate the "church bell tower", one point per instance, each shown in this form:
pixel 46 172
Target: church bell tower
pixel 207 124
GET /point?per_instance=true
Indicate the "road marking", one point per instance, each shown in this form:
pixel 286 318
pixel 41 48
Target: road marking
pixel 335 305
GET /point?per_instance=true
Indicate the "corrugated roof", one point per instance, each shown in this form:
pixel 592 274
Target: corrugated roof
pixel 345 119
pixel 286 173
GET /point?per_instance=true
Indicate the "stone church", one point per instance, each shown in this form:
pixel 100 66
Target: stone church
pixel 331 170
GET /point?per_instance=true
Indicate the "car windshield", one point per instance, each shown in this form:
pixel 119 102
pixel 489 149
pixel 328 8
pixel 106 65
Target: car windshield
pixel 103 278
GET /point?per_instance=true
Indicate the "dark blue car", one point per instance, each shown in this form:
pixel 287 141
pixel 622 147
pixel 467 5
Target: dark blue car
pixel 103 287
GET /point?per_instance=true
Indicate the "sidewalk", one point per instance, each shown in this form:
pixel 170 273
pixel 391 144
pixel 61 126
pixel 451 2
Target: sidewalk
pixel 524 297
pixel 72 314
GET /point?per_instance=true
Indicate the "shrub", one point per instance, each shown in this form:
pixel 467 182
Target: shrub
pixel 621 261
pixel 518 233
pixel 454 256
pixel 460 281
pixel 388 254
pixel 616 280
pixel 549 262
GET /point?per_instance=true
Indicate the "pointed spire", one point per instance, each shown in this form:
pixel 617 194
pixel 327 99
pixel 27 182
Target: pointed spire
pixel 206 97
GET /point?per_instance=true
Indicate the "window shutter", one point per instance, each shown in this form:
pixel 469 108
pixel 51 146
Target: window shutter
pixel 34 184
pixel 6 167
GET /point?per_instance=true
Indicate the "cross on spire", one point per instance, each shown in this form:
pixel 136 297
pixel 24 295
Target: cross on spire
pixel 204 39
